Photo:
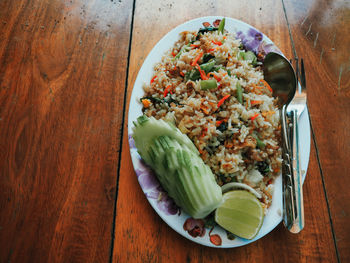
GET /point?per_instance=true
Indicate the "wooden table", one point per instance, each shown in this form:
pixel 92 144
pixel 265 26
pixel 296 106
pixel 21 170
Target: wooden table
pixel 68 192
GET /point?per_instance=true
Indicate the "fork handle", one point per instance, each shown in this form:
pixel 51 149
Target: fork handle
pixel 298 224
pixel 289 212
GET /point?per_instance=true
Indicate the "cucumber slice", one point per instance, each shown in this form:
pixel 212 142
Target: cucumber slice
pixel 146 129
pixel 178 166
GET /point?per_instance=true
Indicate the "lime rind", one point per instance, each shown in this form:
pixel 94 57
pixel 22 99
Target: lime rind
pixel 241 213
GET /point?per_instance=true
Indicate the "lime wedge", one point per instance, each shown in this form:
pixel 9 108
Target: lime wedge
pixel 241 213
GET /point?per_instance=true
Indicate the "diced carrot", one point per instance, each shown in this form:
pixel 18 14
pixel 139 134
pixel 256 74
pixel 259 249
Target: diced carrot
pixel 219 43
pixel 146 103
pixel 254 102
pixel 204 132
pixel 254 117
pixel 266 85
pixel 204 109
pixel 166 91
pixel 197 58
pixel 211 103
pixel 212 49
pixel 201 72
pixel 228 144
pixel 152 80
pixel 276 170
pixel 218 123
pixel 182 74
pixel 211 74
pixel 223 100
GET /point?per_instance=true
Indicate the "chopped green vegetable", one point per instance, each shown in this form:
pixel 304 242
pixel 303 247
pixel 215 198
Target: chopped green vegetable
pixel 207 57
pixel 240 55
pixel 208 84
pixel 239 93
pixel 259 143
pixel 249 55
pixel 263 167
pixel 184 48
pixel 192 75
pixel 222 26
pixel 178 166
pixel 207 67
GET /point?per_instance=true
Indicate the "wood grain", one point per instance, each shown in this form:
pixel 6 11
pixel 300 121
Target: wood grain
pixel 141 235
pixel 321 33
pixel 62 79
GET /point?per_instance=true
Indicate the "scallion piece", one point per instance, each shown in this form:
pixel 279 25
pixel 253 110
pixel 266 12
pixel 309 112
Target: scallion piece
pixel 239 93
pixel 182 50
pixel 222 26
pixel 208 84
pixel 259 143
pixel 207 67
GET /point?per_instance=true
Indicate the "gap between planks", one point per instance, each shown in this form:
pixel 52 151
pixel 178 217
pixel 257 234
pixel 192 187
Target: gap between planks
pixel 122 134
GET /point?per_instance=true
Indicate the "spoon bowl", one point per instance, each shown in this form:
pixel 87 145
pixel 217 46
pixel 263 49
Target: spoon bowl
pixel 279 73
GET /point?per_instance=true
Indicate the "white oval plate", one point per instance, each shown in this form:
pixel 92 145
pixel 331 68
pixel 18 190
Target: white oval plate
pixel 161 203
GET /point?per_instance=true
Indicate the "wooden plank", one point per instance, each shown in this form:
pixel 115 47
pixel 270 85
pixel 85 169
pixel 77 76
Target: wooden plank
pixel 321 33
pixel 141 235
pixel 62 78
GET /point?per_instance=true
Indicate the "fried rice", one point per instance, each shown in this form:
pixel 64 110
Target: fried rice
pixel 232 119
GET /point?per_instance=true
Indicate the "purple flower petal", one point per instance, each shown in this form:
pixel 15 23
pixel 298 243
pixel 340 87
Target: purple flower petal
pixel 154 194
pixel 251 40
pixel 252 32
pixel 131 142
pixel 167 205
pixel 148 181
pixel 251 44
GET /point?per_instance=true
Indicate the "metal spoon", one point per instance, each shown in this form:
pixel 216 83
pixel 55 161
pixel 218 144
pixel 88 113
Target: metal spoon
pixel 279 73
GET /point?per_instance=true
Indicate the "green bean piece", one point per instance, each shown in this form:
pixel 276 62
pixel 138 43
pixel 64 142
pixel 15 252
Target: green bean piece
pixel 207 67
pixel 192 75
pixel 208 84
pixel 241 55
pixel 259 143
pixel 222 26
pixel 182 50
pixel 239 93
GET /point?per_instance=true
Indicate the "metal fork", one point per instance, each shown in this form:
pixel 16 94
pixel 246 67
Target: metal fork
pixel 294 111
